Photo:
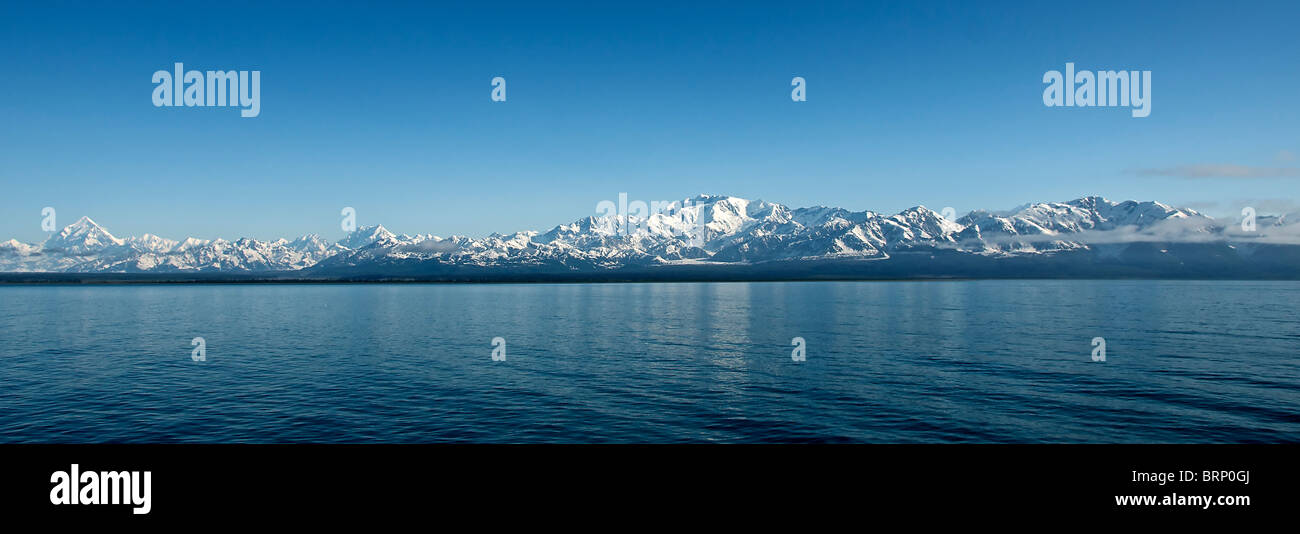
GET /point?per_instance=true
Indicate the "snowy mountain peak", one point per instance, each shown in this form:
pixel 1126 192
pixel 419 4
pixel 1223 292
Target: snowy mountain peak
pixel 82 237
pixel 13 246
pixel 308 243
pixel 365 236
pixel 83 225
pixel 1092 201
pixel 84 221
pixel 189 243
pixel 152 243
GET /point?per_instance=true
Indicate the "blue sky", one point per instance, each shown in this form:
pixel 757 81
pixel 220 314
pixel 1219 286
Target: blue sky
pixel 387 109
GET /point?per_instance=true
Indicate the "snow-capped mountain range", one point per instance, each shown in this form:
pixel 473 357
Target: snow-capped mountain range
pixel 705 230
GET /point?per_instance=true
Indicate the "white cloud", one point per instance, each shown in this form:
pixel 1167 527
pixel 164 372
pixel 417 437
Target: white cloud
pixel 1208 170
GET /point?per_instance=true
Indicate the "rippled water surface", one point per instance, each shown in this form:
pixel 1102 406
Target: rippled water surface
pixel 990 361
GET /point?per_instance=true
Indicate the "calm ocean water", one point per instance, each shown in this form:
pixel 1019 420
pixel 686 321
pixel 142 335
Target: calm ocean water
pixel 986 361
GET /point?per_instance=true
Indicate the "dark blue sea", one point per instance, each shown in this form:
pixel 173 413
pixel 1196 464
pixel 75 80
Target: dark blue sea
pixel 943 362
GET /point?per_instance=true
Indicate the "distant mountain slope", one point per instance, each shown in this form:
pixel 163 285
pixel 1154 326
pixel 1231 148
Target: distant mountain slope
pixel 730 236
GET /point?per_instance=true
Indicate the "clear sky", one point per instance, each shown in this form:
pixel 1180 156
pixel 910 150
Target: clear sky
pixel 386 108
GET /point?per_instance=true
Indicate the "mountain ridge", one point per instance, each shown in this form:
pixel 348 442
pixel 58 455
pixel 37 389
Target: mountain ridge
pixel 695 233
